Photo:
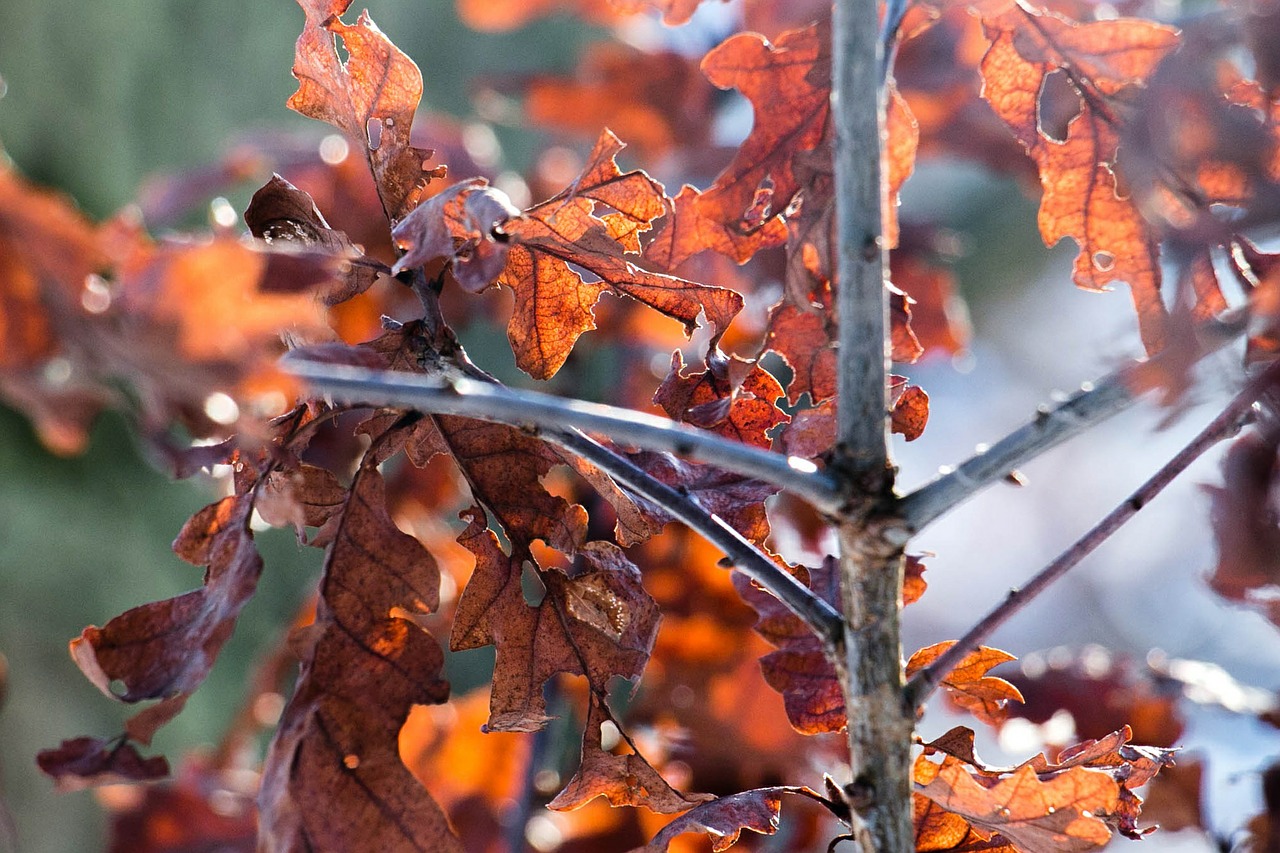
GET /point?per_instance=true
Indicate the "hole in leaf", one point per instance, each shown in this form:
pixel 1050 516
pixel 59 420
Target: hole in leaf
pixel 1057 105
pixel 1104 261
pixel 118 687
pixel 340 48
pixel 351 761
pixel 373 130
pixel 532 586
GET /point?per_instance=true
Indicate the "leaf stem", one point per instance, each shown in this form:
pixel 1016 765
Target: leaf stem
pixel 491 402
pixel 1094 403
pixel 1226 424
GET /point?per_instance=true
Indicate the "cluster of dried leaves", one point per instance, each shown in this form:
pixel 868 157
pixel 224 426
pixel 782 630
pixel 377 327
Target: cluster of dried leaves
pixel 1138 136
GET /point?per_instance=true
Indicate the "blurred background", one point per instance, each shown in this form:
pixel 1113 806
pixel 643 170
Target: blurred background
pixel 100 99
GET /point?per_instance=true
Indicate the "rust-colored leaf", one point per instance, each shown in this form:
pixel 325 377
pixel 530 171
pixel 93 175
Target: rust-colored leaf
pixel 984 696
pixel 165 649
pixel 1037 816
pixel 599 623
pixel 800 669
pixel 1244 520
pixel 84 761
pixel 723 820
pixel 732 397
pixel 910 410
pixel 625 779
pixel 686 231
pixel 334 779
pixel 736 499
pixel 371 97
pixel 463 225
pixel 281 215
pixel 788 83
pixel 1083 198
pixel 802 337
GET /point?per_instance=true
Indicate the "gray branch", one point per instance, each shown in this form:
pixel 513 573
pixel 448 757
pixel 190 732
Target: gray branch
pixel 490 402
pixel 1094 403
pixel 555 420
pixel 821 618
pixel 924 682
pixel 857 112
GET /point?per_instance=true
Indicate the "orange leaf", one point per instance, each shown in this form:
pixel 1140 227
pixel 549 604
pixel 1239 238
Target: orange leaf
pixel 371 97
pixel 1037 816
pixel 788 84
pixel 968 684
pixel 1082 199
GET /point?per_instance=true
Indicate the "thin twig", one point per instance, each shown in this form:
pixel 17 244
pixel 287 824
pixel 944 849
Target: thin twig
pixel 857 112
pixel 894 10
pixel 1223 426
pixel 491 402
pixel 821 617
pixel 1095 402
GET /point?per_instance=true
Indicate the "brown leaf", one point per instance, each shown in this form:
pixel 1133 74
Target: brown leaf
pixel 800 669
pixel 736 499
pixel 1037 816
pixel 968 685
pixel 913 582
pixel 280 214
pixel 203 809
pixel 462 224
pixel 788 84
pixel 599 623
pixel 164 650
pixel 1244 520
pixel 85 761
pixel 910 409
pixel 802 337
pixel 686 231
pixel 1082 197
pixel 371 97
pixel 334 773
pixel 560 236
pixel 302 497
pixel 624 780
pixel 723 820
pixel 731 397
pixel 656 100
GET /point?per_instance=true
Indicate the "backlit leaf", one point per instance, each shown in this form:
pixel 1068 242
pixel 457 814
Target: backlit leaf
pixel 985 696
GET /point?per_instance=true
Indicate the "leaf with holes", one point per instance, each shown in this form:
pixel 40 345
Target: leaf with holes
pixel 1083 196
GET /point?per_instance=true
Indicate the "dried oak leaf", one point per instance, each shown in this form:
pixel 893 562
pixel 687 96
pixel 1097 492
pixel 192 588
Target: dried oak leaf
pixel 371 97
pixel 334 773
pixel 800 669
pixel 731 397
pixel 165 649
pixel 1036 816
pixel 280 214
pixel 910 410
pixel 1083 197
pixel 462 224
pixel 788 83
pixel 84 761
pixel 588 228
pixel 802 337
pixel 204 808
pixel 736 499
pixel 301 497
pixel 599 623
pixel 968 685
pixel 723 820
pixel 686 231
pixel 624 780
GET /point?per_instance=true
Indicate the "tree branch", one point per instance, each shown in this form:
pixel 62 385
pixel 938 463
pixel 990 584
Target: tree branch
pixel 821 618
pixel 551 415
pixel 1094 403
pixel 1226 424
pixel 857 108
pixel 487 401
pixel 869 664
